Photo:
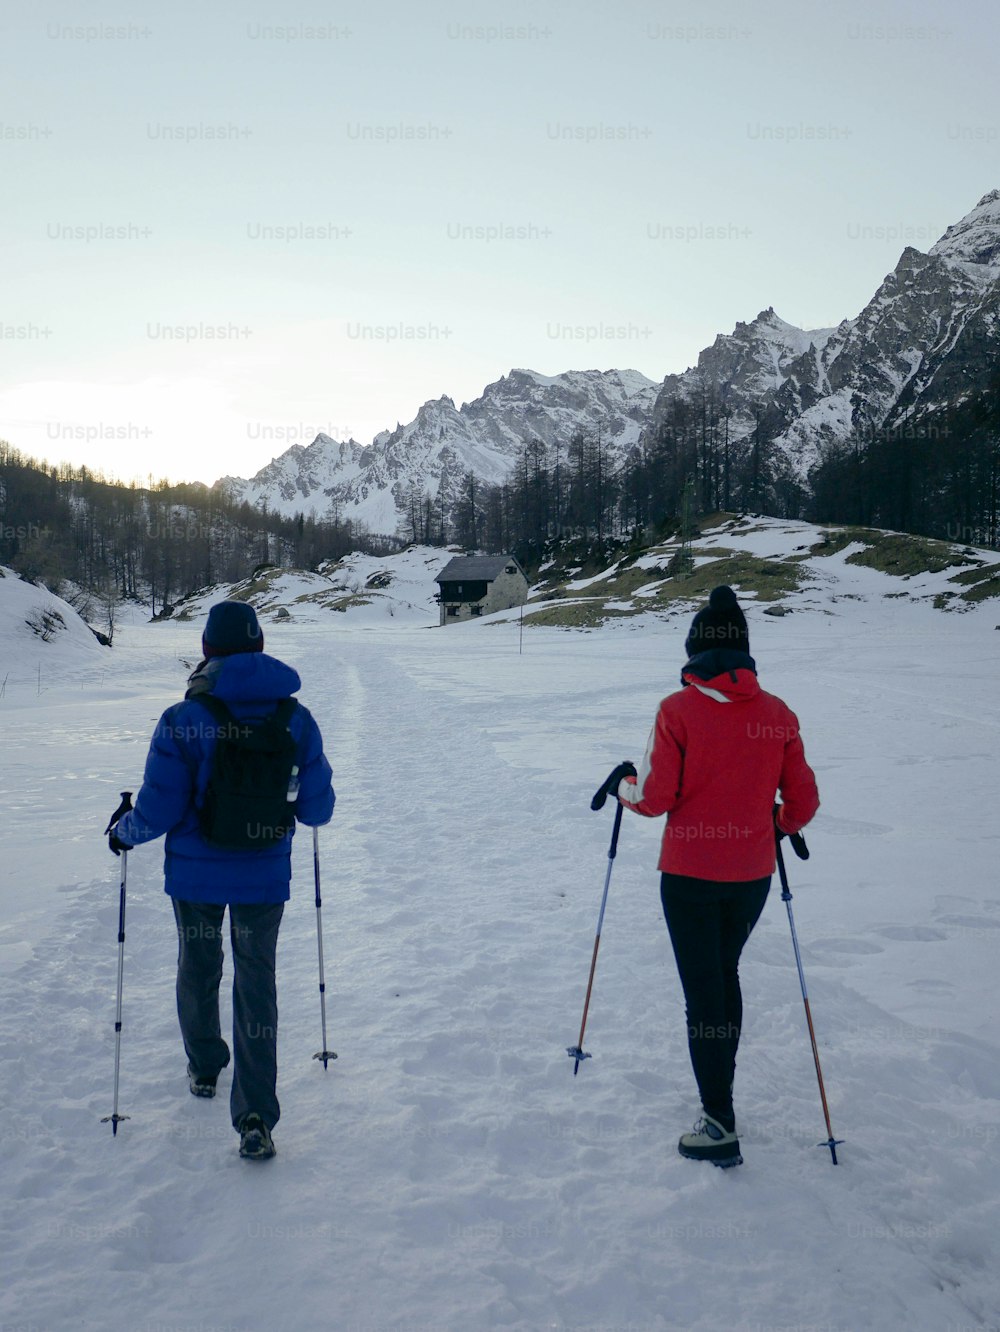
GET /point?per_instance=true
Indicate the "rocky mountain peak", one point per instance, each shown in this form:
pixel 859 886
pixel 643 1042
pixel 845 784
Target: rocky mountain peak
pixel 976 238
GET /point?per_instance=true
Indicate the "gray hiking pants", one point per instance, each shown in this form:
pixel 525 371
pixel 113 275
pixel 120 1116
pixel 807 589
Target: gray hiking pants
pixel 253 932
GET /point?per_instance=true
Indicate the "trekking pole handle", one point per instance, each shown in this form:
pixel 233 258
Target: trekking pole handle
pixel 611 783
pixel 123 808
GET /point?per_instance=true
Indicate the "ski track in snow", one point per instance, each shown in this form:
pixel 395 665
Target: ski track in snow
pixel 447 1171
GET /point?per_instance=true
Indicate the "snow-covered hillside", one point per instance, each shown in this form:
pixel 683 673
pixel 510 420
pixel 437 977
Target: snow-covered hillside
pixel 784 566
pixel 448 1171
pixel 362 589
pixel 42 638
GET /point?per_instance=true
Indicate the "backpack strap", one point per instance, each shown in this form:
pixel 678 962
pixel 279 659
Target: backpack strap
pixel 224 720
pixel 215 706
pixel 282 714
pixel 285 710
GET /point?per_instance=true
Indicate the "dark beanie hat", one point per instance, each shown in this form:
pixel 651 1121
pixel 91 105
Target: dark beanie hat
pixel 720 625
pixel 232 627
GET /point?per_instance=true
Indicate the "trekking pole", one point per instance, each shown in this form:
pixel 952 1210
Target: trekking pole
pixel 577 1052
pixel 114 1119
pixel 323 1054
pixel 802 851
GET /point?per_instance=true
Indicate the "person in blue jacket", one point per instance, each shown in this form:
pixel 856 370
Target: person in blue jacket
pixel 203 879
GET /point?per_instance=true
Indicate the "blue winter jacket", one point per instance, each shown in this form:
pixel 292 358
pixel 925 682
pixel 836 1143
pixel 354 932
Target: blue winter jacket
pixel 178 766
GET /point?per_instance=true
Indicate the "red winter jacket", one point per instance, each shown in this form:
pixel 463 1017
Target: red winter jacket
pixel 719 751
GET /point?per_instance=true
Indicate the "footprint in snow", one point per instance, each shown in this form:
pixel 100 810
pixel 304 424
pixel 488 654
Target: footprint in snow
pixel 851 827
pixel 967 923
pixel 968 1064
pixel 906 933
pixel 654 1083
pixel 858 947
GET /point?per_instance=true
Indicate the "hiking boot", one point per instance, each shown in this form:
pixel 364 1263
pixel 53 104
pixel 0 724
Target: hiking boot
pixel 201 1085
pixel 255 1138
pixel 711 1142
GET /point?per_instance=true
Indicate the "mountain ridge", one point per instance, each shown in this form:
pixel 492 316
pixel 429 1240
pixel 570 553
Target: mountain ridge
pixel 927 335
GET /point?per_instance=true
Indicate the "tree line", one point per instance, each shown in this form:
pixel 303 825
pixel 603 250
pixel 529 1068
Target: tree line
pixel 100 541
pixel 934 473
pixel 592 490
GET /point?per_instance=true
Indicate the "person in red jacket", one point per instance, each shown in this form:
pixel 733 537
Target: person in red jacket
pixel 719 751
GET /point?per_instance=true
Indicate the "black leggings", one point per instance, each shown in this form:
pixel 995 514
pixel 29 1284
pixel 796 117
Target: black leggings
pixel 709 923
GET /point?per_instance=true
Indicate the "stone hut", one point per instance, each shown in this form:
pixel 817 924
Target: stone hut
pixel 473 585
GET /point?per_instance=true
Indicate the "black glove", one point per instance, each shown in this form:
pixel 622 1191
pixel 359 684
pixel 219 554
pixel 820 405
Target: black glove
pixel 797 840
pixel 779 832
pixel 611 784
pixel 116 845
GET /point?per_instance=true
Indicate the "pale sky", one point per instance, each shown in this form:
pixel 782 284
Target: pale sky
pixel 464 188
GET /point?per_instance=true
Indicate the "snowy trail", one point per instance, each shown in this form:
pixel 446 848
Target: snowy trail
pixel 448 1171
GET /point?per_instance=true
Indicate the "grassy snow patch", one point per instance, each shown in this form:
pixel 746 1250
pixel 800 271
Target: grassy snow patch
pixel 896 553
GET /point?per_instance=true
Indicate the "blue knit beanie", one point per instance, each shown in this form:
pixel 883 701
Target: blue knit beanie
pixel 232 627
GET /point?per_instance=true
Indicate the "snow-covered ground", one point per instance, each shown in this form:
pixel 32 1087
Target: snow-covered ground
pixel 448 1171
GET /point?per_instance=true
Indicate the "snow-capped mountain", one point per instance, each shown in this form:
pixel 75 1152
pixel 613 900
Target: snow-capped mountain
pixel 443 443
pixel 296 480
pixel 742 372
pixel 928 334
pixel 928 337
pixel 976 239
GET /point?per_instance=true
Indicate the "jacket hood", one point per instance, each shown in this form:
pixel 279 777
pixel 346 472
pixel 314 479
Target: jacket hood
pixel 248 677
pixel 725 671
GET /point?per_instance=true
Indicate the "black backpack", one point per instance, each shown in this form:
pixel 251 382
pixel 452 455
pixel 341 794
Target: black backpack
pixel 246 805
